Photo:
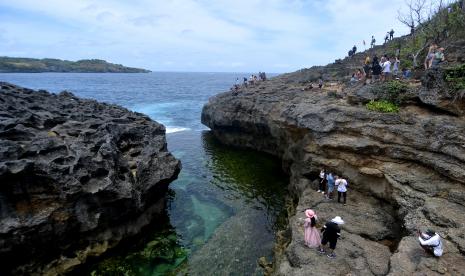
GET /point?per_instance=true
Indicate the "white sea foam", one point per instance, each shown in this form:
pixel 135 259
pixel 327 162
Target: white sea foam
pixel 176 129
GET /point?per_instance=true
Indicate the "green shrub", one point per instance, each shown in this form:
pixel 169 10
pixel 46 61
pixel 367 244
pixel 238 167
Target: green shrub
pixel 455 77
pixel 391 91
pixel 382 106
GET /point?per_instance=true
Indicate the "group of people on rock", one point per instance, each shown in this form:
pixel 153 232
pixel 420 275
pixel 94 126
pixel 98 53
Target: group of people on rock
pixel 252 80
pixel 429 240
pixel 328 183
pixel 389 36
pixel 380 69
pixel 352 51
pixel 434 57
pixel 330 233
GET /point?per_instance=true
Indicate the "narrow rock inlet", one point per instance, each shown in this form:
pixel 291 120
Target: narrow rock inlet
pixel 76 177
pixel 406 170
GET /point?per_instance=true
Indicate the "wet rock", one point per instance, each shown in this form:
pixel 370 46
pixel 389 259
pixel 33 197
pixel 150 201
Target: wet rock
pixel 76 177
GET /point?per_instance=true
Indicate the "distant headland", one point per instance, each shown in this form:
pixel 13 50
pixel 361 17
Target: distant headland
pixel 31 65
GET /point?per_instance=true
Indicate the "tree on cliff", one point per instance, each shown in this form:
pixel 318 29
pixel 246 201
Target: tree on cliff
pixel 432 21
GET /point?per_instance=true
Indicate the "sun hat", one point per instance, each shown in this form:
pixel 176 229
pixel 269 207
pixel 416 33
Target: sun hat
pixel 310 213
pixel 337 220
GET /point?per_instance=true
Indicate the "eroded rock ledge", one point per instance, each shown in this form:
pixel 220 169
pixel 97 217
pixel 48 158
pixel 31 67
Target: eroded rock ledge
pixel 406 170
pixel 76 177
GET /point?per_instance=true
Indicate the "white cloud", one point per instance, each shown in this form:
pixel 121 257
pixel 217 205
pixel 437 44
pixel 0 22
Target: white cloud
pixel 198 35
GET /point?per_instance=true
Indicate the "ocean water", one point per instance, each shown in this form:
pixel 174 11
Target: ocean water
pixel 226 205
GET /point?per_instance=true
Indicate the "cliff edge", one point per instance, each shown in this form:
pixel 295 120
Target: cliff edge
pixel 406 169
pixel 76 177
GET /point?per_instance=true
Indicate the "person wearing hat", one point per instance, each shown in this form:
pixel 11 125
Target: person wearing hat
pixel 431 242
pixel 331 232
pixel 311 234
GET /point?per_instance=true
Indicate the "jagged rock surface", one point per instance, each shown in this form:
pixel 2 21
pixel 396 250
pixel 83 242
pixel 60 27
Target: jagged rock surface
pixel 76 177
pixel 406 172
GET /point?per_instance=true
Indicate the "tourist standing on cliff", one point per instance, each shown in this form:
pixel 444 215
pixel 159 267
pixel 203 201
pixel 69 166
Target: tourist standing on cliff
pixel 429 57
pixel 376 68
pixel 331 232
pixel 373 41
pixel 322 184
pixel 386 70
pixel 354 50
pixel 438 58
pixel 341 184
pixel 311 235
pixel 386 38
pixel 391 34
pixel 431 242
pixel 395 68
pixel 330 183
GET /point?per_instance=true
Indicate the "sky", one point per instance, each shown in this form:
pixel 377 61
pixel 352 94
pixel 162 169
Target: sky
pixel 196 35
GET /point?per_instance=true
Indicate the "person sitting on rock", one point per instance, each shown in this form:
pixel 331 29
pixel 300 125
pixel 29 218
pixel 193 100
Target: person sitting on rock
pixel 311 235
pixel 431 242
pixel 386 38
pixel 322 183
pixel 341 184
pixel 330 182
pixel 331 232
pixel 353 79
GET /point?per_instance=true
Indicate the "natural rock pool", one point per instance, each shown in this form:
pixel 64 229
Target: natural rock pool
pixel 223 212
pixel 226 205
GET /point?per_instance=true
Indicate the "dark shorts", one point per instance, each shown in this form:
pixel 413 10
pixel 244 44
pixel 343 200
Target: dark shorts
pixel 332 242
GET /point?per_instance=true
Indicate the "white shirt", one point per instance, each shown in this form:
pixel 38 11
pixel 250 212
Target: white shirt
pixel 341 185
pixel 322 174
pixel 435 242
pixel 387 66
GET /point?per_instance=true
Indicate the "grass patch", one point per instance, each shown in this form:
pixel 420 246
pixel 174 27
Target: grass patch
pixel 382 106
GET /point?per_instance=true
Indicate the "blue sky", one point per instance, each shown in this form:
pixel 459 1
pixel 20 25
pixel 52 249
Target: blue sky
pixel 195 35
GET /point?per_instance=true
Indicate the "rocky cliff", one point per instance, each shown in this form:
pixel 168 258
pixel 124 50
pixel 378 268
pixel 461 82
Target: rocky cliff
pixel 406 170
pixel 76 177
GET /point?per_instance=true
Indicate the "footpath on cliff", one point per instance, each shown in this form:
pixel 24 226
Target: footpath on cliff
pixel 406 168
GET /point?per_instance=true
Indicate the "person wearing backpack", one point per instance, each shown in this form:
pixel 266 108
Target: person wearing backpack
pixel 376 68
pixel 331 233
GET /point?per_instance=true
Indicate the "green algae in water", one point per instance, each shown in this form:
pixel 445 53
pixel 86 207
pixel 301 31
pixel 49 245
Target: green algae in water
pixel 223 212
pixel 160 256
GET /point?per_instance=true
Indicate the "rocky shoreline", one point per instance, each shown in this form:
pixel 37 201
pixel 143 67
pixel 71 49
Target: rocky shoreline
pixel 76 178
pixel 406 170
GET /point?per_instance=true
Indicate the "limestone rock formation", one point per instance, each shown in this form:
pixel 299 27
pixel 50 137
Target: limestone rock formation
pixel 76 177
pixel 406 171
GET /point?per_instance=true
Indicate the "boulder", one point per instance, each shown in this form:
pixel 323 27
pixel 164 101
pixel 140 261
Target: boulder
pixel 76 177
